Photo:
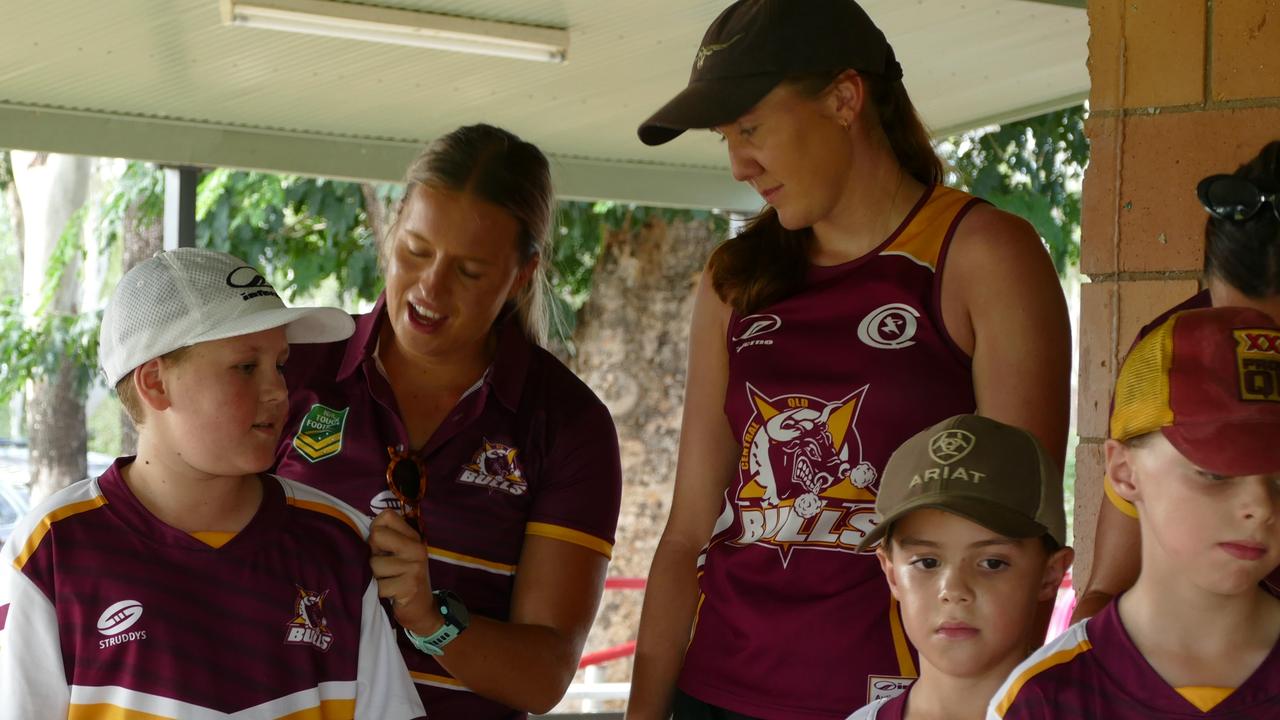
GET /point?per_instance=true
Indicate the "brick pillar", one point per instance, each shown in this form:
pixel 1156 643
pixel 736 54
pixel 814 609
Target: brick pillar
pixel 1180 89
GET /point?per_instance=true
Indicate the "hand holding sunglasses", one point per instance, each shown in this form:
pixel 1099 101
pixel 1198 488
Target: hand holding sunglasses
pixel 407 480
pixel 1229 197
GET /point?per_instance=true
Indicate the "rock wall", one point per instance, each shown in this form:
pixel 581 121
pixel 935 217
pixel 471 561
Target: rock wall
pixel 632 342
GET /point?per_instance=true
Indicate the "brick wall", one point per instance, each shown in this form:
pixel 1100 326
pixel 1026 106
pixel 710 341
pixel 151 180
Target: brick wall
pixel 1180 89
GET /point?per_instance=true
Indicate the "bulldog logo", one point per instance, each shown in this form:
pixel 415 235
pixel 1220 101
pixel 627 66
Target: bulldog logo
pixel 308 626
pixel 803 481
pixel 495 466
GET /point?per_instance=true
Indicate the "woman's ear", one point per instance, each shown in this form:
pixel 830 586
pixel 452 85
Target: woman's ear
pixel 149 384
pixel 846 97
pixel 1121 469
pixel 523 277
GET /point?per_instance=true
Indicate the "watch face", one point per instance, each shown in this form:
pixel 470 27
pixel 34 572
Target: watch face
pixel 453 609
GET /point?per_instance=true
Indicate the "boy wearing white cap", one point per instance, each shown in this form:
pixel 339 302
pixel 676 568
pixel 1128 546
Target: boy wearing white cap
pixel 972 539
pixel 183 582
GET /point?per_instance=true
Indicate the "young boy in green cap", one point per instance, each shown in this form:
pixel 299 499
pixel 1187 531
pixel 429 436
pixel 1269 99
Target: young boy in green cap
pixel 972 539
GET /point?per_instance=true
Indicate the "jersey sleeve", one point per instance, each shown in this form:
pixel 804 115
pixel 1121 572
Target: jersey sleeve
pixel 1027 704
pixel 1029 693
pixel 384 690
pixel 32 677
pixel 580 490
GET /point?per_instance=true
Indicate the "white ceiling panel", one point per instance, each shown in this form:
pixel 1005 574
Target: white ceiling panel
pixel 165 80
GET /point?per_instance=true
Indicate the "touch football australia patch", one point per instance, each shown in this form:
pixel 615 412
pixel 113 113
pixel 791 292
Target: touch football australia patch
pixel 320 434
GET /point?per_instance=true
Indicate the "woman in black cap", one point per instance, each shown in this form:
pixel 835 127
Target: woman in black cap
pixel 865 303
pixel 1241 269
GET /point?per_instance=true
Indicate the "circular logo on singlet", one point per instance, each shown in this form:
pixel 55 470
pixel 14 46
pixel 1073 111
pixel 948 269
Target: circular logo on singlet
pixel 889 327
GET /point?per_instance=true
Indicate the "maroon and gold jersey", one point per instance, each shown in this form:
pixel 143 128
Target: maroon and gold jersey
pixel 794 622
pixel 1094 670
pixel 529 450
pixel 106 612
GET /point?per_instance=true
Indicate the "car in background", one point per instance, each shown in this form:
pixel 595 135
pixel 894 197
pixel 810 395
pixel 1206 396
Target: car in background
pixel 15 472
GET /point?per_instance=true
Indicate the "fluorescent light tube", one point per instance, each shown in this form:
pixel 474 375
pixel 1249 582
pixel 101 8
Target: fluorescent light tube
pixel 400 27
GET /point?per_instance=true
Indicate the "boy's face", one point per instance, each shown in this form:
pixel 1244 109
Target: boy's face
pixel 223 406
pixel 969 595
pixel 1220 533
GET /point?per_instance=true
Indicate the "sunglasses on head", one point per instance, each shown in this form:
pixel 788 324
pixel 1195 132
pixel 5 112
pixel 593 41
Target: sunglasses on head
pixel 1229 197
pixel 407 479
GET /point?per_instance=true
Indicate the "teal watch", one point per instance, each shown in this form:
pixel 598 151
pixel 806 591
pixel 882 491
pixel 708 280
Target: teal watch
pixel 456 619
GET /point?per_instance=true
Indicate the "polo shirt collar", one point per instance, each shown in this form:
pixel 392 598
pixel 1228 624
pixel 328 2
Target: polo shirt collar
pixel 510 369
pixel 505 376
pixel 364 341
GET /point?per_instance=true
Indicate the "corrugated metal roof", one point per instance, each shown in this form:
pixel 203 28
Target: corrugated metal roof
pixel 171 78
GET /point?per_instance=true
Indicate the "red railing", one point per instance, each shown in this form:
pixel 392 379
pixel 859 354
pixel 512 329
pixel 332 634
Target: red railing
pixel 616 652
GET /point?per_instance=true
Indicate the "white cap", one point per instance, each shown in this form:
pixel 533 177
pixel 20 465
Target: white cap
pixel 187 296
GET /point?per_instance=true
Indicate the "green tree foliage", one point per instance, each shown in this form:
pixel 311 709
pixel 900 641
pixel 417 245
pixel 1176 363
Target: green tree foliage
pixel 33 348
pixel 1032 168
pixel 300 230
pixel 303 231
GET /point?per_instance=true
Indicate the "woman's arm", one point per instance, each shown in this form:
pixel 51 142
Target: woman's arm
pixel 707 458
pixel 525 663
pixel 1003 303
pixel 1117 557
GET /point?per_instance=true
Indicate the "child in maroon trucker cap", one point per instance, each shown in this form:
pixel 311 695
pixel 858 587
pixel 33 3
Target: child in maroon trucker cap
pixel 1195 446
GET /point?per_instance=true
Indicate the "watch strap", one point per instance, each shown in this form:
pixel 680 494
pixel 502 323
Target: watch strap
pixel 453 626
pixel 434 643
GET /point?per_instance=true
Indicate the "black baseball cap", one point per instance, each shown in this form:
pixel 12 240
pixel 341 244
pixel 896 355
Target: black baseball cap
pixel 755 44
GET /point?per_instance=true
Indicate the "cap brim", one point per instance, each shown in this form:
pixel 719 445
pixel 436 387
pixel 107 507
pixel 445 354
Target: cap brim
pixel 1231 449
pixel 706 104
pixel 302 325
pixel 980 510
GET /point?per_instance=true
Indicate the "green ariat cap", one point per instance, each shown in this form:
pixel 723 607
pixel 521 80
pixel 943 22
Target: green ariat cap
pixel 996 475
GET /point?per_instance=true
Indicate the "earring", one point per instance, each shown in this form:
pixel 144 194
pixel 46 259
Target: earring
pixel 844 123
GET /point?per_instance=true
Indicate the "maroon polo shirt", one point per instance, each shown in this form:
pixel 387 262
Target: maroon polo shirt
pixel 1095 671
pixel 529 450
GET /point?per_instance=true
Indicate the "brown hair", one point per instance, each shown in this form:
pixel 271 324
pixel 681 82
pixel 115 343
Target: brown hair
pixel 1246 254
pixel 767 262
pixel 129 396
pixel 500 168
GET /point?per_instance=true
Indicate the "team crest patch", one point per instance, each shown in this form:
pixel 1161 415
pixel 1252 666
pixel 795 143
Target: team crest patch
pixel 495 466
pixel 308 626
pixel 320 434
pixel 1258 356
pixel 802 480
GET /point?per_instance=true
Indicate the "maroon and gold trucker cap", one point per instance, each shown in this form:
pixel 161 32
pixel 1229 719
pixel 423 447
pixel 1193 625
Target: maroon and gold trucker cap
pixel 1209 380
pixel 755 44
pixel 983 470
